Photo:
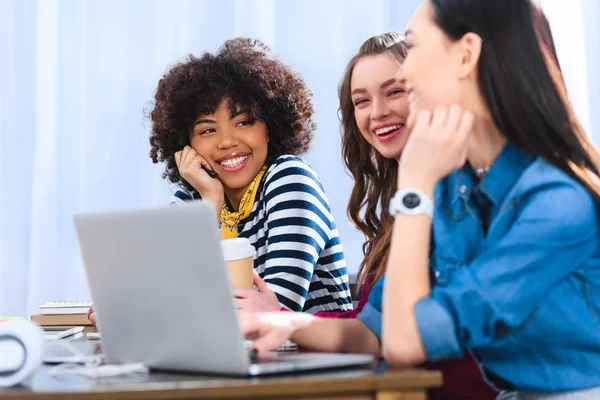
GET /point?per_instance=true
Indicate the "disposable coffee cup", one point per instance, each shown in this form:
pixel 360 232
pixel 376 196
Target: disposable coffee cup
pixel 239 257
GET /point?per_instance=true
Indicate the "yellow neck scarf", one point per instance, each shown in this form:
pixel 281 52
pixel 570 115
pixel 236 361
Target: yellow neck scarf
pixel 231 219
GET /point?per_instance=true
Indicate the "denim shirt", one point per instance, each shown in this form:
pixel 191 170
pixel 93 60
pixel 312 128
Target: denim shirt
pixel 515 266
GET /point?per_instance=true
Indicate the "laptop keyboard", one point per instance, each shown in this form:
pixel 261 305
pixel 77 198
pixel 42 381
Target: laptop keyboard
pixel 287 347
pixel 276 355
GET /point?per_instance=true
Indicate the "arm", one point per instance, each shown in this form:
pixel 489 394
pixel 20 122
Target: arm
pixel 336 335
pixel 437 145
pixel 350 313
pixel 501 288
pixel 270 330
pixel 407 281
pixel 299 227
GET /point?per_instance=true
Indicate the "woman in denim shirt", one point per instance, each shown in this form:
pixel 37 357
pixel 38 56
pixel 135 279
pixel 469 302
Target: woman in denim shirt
pixel 508 268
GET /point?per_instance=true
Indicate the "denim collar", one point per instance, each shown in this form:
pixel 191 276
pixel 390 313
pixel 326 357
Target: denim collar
pixel 503 174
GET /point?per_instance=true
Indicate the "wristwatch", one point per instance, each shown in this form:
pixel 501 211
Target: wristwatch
pixel 411 202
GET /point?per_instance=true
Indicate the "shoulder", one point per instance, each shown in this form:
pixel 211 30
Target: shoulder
pixel 182 195
pixel 293 169
pixel 546 192
pixel 291 182
pixel 375 294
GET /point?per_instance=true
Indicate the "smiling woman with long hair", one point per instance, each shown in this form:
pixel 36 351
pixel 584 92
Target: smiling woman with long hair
pixel 374 111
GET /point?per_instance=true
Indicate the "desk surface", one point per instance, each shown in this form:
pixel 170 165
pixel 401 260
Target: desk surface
pixel 355 383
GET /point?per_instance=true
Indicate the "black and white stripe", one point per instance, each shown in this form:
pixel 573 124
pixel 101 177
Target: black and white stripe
pixel 299 252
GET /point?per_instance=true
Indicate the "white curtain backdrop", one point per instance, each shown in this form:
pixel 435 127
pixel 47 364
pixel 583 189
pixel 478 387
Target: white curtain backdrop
pixel 76 76
pixel 569 29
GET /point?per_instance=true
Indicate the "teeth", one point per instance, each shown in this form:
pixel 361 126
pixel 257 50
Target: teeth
pixel 233 162
pixel 387 129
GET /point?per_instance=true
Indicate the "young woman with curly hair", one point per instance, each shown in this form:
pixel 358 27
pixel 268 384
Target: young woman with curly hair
pixel 245 116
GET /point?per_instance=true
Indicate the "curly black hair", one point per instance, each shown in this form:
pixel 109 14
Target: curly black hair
pixel 243 73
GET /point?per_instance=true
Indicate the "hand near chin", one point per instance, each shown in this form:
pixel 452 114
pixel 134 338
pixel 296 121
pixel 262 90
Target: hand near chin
pixel 189 164
pixel 437 146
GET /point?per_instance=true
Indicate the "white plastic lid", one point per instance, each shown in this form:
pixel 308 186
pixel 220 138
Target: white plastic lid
pixel 237 249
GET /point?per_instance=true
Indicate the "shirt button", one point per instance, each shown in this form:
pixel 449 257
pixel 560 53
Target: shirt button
pixel 437 274
pixel 463 189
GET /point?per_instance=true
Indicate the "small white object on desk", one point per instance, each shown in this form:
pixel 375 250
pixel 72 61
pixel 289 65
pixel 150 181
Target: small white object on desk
pixel 21 348
pixel 93 336
pixel 63 334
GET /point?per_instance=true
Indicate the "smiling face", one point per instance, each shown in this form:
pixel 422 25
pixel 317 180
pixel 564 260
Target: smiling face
pixel 434 67
pixel 380 103
pixel 234 144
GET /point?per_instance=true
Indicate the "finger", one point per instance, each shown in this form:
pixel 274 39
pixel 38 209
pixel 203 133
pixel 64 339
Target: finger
pixel 423 121
pixel 260 283
pixel 178 158
pixel 463 159
pixel 203 163
pixel 188 156
pixel 438 121
pixel 89 311
pixel 182 166
pixel 270 339
pixel 410 122
pixel 243 293
pixel 92 318
pixel 249 323
pixel 455 114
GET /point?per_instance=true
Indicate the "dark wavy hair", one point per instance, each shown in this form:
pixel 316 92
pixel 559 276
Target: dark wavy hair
pixel 374 176
pixel 527 99
pixel 243 73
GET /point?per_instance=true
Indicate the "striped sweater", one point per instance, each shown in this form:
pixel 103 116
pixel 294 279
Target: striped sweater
pixel 299 253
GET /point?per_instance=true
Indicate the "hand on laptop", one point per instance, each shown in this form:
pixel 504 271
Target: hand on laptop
pixel 266 330
pixel 91 315
pixel 250 300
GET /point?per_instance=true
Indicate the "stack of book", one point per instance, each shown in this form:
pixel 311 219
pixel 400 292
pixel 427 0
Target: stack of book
pixel 60 316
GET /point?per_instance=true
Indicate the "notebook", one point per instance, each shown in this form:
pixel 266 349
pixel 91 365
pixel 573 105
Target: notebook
pixel 64 307
pixel 59 328
pixel 63 315
pixel 61 319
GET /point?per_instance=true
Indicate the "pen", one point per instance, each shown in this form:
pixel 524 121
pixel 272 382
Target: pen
pixel 210 172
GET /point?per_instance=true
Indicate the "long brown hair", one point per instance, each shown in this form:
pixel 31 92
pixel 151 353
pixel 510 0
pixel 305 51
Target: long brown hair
pixel 374 176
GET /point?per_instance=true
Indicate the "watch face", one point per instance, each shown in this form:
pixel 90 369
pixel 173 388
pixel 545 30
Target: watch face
pixel 411 200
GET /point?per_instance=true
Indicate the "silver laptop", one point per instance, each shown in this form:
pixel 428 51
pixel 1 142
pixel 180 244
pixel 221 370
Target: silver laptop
pixel 162 294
